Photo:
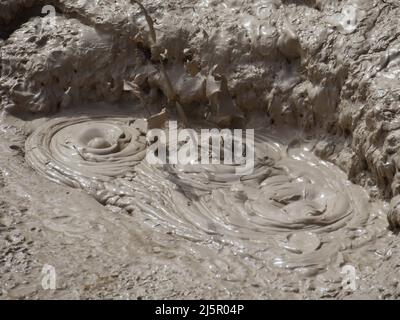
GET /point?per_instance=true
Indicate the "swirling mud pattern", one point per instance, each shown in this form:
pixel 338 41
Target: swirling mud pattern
pixel 293 211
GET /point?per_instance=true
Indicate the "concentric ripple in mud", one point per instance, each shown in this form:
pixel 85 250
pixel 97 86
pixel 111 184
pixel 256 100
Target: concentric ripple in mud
pixel 293 209
pixel 85 150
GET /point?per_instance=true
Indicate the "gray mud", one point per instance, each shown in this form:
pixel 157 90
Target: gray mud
pixel 317 80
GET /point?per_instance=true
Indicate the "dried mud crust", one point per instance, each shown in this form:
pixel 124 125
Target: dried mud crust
pixel 329 68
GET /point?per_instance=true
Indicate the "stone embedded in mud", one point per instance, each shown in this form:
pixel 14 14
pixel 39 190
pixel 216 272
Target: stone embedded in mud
pixel 33 56
pixel 289 43
pixel 324 149
pixel 223 107
pixel 10 8
pixel 394 213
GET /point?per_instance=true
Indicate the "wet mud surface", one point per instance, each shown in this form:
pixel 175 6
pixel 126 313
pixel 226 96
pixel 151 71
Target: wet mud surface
pixel 293 210
pixel 77 192
pixel 285 231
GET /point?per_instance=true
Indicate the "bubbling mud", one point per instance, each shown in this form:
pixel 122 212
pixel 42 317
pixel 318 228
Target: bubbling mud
pixel 293 210
pixel 85 150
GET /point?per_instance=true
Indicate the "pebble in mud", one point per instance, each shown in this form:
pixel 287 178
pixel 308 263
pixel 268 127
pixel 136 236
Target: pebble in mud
pixel 394 213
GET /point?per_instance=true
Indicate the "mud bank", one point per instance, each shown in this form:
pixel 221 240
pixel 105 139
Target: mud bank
pixel 207 233
pixel 325 72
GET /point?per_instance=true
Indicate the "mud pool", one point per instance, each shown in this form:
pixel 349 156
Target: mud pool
pixel 317 81
pixel 292 211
